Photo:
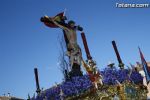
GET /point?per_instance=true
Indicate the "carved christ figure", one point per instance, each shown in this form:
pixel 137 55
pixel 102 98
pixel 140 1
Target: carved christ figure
pixel 74 51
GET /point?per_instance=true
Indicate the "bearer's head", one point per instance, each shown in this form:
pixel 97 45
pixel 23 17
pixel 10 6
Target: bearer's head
pixel 71 24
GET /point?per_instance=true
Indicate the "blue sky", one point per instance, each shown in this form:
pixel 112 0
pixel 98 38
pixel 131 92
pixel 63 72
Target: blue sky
pixel 25 42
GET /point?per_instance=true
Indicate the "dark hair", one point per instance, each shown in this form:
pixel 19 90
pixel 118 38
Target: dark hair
pixel 71 22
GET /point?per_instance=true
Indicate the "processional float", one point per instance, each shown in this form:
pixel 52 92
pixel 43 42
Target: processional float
pixel 74 54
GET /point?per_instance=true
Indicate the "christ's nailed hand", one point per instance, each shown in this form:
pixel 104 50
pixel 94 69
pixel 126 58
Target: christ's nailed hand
pixel 46 16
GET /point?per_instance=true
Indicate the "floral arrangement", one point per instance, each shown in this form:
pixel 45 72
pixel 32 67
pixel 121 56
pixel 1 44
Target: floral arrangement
pixel 130 87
